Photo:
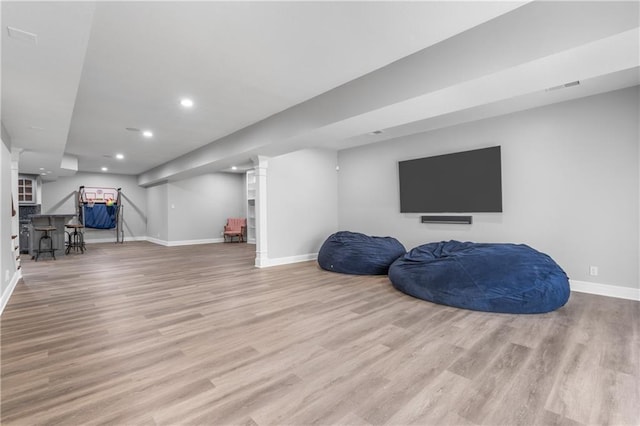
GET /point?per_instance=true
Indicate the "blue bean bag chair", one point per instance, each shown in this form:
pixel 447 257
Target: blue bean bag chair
pixel 507 278
pixel 355 253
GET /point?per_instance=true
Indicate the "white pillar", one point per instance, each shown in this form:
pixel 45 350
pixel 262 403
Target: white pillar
pixel 15 221
pixel 261 164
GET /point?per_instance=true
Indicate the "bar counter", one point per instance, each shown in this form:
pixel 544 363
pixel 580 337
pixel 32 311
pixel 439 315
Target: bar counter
pixel 59 220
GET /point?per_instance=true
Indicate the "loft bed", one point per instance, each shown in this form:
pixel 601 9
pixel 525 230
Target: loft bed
pixel 101 208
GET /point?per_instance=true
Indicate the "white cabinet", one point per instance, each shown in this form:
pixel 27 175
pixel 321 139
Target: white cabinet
pixel 26 190
pixel 251 206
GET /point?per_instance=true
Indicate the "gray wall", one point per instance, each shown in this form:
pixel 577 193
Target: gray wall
pixel 7 261
pixel 198 207
pixel 301 202
pixel 570 185
pixel 191 209
pixel 60 197
pixel 157 212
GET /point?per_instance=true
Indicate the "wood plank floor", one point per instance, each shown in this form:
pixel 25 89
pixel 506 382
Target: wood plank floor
pixel 141 334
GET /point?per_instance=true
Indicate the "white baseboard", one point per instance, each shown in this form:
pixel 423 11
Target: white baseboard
pixel 605 290
pixel 184 242
pixel 194 242
pixel 112 240
pixel 158 241
pixel 9 291
pixel 266 263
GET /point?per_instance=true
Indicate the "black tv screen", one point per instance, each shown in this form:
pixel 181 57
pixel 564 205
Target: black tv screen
pixel 463 182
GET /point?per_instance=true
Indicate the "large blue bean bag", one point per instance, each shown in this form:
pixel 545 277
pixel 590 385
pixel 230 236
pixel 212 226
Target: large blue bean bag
pixel 355 253
pixel 507 278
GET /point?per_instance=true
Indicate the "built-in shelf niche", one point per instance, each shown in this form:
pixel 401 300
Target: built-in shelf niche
pixel 251 206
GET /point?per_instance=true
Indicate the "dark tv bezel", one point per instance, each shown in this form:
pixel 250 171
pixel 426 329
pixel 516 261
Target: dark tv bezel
pixel 495 205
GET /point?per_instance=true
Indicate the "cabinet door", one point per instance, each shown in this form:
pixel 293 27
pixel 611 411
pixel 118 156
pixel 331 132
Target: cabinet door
pixel 26 190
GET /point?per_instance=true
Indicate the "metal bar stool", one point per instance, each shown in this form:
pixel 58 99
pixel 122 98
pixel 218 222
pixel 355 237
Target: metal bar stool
pixel 47 240
pixel 75 240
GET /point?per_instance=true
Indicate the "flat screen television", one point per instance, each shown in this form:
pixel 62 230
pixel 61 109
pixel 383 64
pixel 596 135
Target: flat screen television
pixel 463 182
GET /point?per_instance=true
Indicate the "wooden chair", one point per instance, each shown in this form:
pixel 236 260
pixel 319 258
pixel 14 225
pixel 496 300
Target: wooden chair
pixel 235 227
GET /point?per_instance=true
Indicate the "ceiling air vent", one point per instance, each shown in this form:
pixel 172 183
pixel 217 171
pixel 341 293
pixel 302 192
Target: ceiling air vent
pixel 22 35
pixel 563 86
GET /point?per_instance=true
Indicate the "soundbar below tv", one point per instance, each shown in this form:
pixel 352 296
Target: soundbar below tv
pixel 463 182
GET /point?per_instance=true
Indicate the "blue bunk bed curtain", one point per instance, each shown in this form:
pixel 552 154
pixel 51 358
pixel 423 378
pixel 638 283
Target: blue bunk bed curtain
pixel 100 216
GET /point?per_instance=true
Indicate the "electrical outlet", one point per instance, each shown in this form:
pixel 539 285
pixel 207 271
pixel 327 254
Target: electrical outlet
pixel 593 271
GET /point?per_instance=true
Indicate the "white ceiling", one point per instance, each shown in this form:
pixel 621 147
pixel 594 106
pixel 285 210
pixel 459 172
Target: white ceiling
pixel 98 68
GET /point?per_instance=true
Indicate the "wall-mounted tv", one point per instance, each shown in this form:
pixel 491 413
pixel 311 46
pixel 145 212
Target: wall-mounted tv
pixel 463 182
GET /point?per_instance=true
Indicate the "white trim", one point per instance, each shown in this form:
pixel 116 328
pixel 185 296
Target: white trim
pixel 266 263
pixel 261 164
pixel 261 260
pixel 184 242
pixel 157 241
pixel 194 242
pixel 605 290
pixel 112 240
pixel 9 291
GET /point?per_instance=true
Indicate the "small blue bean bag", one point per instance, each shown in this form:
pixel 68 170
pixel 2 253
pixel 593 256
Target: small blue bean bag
pixel 355 253
pixel 507 278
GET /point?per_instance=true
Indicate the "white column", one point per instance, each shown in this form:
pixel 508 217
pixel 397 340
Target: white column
pixel 15 221
pixel 261 164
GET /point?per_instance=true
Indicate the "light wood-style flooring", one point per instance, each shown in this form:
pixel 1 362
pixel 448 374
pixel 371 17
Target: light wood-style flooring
pixel 141 334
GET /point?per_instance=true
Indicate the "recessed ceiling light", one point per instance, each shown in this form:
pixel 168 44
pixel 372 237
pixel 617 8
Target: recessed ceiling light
pixel 187 103
pixel 147 134
pixel 119 156
pixel 41 168
pixel 234 168
pixel 43 173
pixel 104 169
pixel 48 171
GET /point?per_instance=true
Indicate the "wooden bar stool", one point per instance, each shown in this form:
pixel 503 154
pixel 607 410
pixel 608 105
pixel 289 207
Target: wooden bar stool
pixel 46 240
pixel 75 240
